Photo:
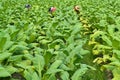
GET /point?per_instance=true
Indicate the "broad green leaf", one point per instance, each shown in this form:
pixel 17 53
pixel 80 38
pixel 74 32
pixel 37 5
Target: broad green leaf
pixel 47 57
pixel 18 48
pixel 11 69
pixel 76 29
pixel 110 29
pixel 52 77
pixel 44 41
pixel 3 41
pixel 110 67
pixel 54 67
pixel 27 75
pixel 4 55
pixel 53 71
pixel 28 56
pixel 16 58
pixel 115 44
pixel 40 38
pixel 107 40
pixel 103 23
pixel 4 72
pixel 117 52
pixel 71 39
pixel 91 67
pixel 64 67
pixel 64 75
pixel 8 45
pixel 115 63
pixel 35 76
pixel 83 52
pixel 56 64
pixel 99 47
pixel 32 37
pixel 24 64
pixel 97 33
pixel 39 63
pixel 58 34
pixel 79 73
pixel 14 35
pixel 116 74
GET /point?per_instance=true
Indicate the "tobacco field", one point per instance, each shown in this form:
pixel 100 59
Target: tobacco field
pixel 69 46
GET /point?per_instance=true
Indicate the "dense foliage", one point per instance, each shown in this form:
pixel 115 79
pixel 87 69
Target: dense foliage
pixel 68 46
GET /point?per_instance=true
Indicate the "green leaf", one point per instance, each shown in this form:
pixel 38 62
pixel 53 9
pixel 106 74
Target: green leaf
pixel 4 55
pixel 8 45
pixel 35 76
pixel 115 63
pixel 4 72
pixel 110 29
pixel 116 74
pixel 48 56
pixel 39 62
pixel 32 37
pixel 16 58
pixel 24 64
pixel 71 39
pixel 64 75
pixel 53 71
pixel 52 77
pixel 76 29
pixel 54 66
pixel 27 75
pixel 14 35
pixel 99 47
pixel 83 52
pixel 44 41
pixel 28 56
pixel 107 40
pixel 11 69
pixel 64 67
pixel 117 52
pixel 79 73
pixel 18 49
pixel 97 33
pixel 2 43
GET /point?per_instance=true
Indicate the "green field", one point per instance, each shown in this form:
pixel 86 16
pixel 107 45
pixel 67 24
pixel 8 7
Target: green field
pixel 69 46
